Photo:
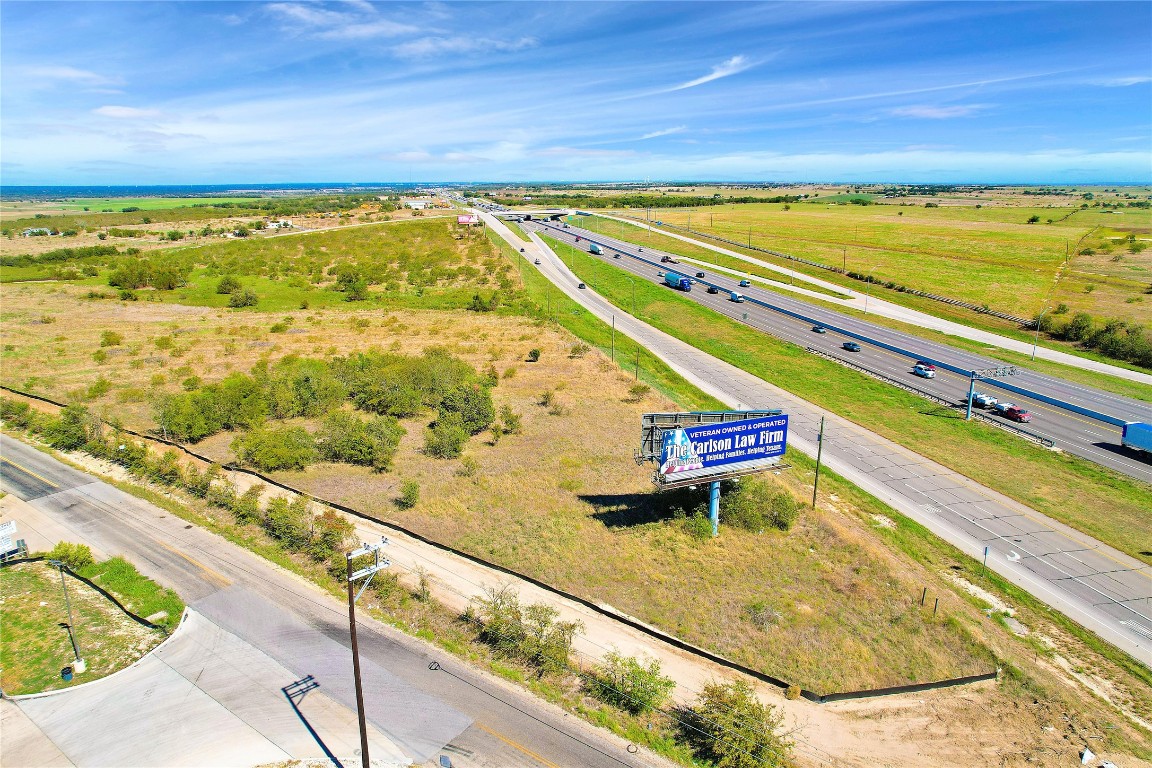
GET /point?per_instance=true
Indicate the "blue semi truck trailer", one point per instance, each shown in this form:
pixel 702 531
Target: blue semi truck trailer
pixel 1137 436
pixel 593 248
pixel 678 282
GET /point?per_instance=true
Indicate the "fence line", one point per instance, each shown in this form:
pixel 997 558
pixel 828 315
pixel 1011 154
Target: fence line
pixel 607 612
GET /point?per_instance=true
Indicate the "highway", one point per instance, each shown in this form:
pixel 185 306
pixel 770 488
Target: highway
pixel 1073 432
pixel 1103 589
pixel 471 717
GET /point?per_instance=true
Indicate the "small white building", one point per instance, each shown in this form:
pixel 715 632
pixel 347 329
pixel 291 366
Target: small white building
pixel 416 204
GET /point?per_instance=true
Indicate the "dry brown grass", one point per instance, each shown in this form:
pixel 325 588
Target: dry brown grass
pixel 562 502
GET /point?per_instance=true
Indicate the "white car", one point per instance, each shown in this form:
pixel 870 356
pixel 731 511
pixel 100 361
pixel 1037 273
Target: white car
pixel 924 372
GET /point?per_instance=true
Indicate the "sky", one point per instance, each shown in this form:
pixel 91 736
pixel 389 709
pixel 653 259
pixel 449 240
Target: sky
pixel 278 92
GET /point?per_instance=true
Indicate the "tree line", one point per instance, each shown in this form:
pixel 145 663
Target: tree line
pixel 642 201
pixel 1114 338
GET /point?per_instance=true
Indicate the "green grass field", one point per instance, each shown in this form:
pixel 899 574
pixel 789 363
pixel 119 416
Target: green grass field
pixel 983 256
pixel 144 203
pixel 1092 499
pixel 35 647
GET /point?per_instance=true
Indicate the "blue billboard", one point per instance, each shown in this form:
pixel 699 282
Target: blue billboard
pixel 714 445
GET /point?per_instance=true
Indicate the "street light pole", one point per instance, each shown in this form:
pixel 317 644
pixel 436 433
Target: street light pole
pixel 364 573
pixel 78 664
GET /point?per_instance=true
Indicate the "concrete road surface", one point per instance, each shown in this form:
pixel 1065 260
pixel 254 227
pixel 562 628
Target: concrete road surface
pixel 471 718
pixel 1076 433
pixel 1103 589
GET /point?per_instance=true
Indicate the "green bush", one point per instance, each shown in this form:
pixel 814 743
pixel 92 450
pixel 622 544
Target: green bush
pixel 627 683
pixel 75 556
pixel 247 506
pixel 227 284
pixel 409 494
pixel 245 297
pixel 346 438
pixel 447 437
pixel 530 633
pixel 330 533
pixel 533 355
pixel 730 727
pixel 275 448
pixel 289 522
pixel 474 405
pixel 111 339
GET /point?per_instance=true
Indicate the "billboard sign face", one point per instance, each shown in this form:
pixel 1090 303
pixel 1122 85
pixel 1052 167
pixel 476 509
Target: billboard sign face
pixel 714 445
pixel 470 218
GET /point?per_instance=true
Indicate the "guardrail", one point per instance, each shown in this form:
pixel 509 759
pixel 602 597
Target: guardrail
pixel 979 415
pixel 1099 416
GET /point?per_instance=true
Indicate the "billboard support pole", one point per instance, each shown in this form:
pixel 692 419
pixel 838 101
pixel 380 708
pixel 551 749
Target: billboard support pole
pixel 714 507
pixel 819 452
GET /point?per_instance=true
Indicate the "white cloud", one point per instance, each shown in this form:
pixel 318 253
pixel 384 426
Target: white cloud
pixel 665 132
pixel 1123 82
pixel 434 46
pixel 126 113
pixel 732 66
pixel 72 75
pixel 340 25
pixel 929 112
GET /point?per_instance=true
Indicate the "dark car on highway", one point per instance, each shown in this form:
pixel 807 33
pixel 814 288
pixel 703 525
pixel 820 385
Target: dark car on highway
pixel 819 329
pixel 851 346
pixel 713 289
pixel 699 274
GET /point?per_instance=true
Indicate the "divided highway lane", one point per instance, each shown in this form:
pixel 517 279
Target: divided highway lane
pixel 1097 586
pixel 1075 433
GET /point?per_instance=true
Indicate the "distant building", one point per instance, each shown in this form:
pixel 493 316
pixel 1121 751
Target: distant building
pixel 35 232
pixel 415 204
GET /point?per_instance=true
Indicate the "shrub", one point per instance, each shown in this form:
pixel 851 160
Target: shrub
pixel 75 556
pixel 530 633
pixel 330 532
pixel 289 522
pixel 100 356
pixel 533 355
pixel 16 414
pixel 730 727
pixel 474 405
pixel 111 339
pixel 409 494
pixel 638 392
pixel 275 448
pixel 792 692
pixel 243 298
pixel 447 437
pixel 247 506
pixel 73 429
pixel 227 285
pixel 579 349
pixel 345 438
pixel 631 685
pixel 191 383
pixel 511 421
pixel 1033 219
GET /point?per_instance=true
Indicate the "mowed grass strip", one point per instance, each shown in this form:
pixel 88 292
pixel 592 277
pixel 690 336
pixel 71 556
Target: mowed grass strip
pixel 35 647
pixel 1090 498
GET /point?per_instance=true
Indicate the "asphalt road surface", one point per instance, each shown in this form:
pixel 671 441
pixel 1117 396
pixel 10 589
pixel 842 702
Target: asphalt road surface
pixel 1098 586
pixel 1078 434
pixel 471 718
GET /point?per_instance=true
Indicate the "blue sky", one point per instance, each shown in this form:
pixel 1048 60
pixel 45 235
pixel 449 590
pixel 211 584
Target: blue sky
pixel 220 92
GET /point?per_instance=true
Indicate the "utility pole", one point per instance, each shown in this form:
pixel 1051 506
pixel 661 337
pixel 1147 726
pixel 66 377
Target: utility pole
pixel 819 454
pixel 78 664
pixel 613 338
pixel 637 378
pixel 365 573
